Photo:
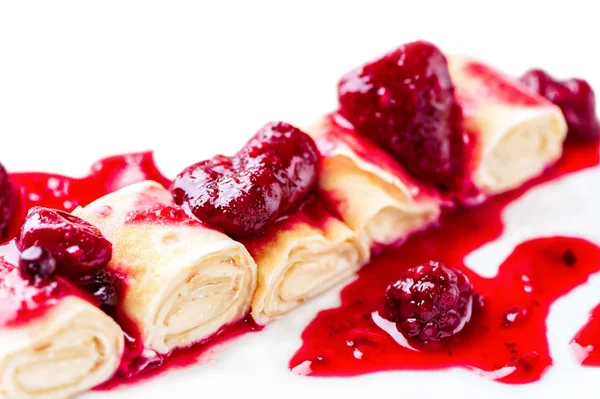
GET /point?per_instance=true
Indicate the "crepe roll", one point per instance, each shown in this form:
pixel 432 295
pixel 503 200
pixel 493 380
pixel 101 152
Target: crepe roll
pixel 185 282
pixel 369 190
pixel 53 344
pixel 517 133
pixel 300 257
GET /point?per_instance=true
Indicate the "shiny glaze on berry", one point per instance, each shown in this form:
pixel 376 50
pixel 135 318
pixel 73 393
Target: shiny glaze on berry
pixel 505 338
pixel 245 194
pixel 405 102
pixel 575 98
pixel 36 263
pixel 429 302
pixel 105 287
pixel 78 246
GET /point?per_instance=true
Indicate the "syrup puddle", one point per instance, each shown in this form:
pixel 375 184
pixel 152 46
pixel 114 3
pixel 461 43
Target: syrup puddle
pixel 506 338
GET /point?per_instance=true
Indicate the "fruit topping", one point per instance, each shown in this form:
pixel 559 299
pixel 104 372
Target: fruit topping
pixel 104 286
pixel 36 263
pixel 7 203
pixel 429 302
pixel 78 247
pixel 576 99
pixel 245 194
pixel 405 102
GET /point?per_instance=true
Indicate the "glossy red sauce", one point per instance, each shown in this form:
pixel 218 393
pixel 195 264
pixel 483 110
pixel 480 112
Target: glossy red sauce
pixel 496 85
pixel 312 213
pixel 20 300
pixel 162 214
pixel 586 343
pixel 346 340
pixel 460 232
pixel 136 366
pixel 67 193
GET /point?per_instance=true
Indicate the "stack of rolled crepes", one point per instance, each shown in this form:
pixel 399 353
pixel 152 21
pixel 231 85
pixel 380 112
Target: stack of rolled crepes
pixel 517 132
pixel 69 346
pixel 185 282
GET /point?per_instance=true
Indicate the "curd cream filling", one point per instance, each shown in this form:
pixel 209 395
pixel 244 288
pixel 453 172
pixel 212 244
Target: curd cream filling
pixel 298 260
pixel 69 349
pixel 518 133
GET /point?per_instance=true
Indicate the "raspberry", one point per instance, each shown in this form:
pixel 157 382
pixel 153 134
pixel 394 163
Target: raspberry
pixel 244 194
pixel 78 247
pixel 574 97
pixel 429 302
pixel 36 263
pixel 405 102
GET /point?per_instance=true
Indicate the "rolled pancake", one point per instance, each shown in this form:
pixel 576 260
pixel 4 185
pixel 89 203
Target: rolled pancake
pixel 517 133
pixel 68 347
pixel 369 190
pixel 185 282
pixel 300 257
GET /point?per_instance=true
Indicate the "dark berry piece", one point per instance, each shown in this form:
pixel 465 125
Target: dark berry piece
pixel 429 302
pixel 78 247
pixel 575 98
pixel 36 263
pixel 8 203
pixel 104 286
pixel 282 145
pixel 405 102
pixel 244 194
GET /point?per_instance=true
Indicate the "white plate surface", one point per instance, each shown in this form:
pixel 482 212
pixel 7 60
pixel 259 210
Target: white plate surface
pixel 80 80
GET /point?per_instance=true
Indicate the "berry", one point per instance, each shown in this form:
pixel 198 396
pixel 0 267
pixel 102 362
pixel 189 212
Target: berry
pixel 104 286
pixel 78 247
pixel 7 203
pixel 36 263
pixel 429 302
pixel 574 97
pixel 244 194
pixel 405 102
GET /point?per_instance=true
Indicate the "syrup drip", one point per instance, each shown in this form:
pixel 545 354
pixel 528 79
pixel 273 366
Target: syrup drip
pixel 506 337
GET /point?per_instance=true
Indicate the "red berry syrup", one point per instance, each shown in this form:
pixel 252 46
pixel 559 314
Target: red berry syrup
pixel 506 337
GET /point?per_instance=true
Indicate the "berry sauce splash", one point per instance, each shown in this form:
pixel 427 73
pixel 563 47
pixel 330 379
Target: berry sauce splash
pixel 65 194
pixel 506 337
pixel 586 343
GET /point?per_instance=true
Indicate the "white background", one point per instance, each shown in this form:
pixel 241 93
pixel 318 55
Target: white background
pixel 80 80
